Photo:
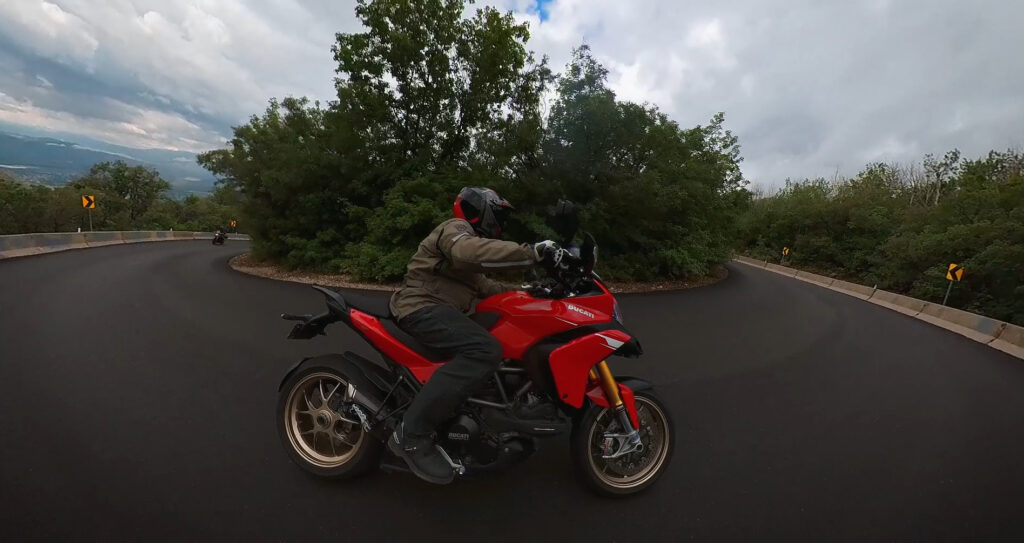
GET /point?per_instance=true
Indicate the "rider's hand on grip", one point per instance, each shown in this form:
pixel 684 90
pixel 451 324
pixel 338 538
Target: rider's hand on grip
pixel 548 253
pixel 538 291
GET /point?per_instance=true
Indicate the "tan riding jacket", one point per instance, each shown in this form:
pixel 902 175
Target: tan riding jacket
pixel 449 266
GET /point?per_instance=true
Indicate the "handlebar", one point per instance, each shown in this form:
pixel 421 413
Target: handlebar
pixel 570 276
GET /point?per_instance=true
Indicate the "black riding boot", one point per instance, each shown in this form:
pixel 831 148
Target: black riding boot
pixel 422 456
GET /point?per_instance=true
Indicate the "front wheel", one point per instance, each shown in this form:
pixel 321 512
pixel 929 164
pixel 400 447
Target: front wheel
pixel 632 472
pixel 317 431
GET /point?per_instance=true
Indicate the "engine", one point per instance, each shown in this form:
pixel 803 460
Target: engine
pixel 480 450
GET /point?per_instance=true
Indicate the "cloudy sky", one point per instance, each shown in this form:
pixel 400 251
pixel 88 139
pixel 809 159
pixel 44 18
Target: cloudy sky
pixel 811 87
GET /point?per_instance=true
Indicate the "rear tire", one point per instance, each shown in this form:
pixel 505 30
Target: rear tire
pixel 315 435
pixel 631 473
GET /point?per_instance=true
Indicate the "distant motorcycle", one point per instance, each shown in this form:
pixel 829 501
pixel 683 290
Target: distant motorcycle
pixel 219 238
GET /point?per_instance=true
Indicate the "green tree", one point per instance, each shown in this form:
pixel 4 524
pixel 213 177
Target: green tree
pixel 661 200
pixel 429 101
pixel 128 191
pixel 424 95
pixel 901 234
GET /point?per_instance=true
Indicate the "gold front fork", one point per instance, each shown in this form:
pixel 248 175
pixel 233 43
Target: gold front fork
pixel 631 440
pixel 608 384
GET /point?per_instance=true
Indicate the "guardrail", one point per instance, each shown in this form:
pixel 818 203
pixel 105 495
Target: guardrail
pixel 18 245
pixel 997 334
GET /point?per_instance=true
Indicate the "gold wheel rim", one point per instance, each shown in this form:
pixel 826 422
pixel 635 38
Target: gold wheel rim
pixel 654 433
pixel 320 434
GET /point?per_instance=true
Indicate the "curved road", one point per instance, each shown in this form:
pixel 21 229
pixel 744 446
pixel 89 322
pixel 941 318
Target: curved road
pixel 137 386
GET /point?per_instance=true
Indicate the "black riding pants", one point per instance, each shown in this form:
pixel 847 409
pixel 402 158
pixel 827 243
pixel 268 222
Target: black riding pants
pixel 474 353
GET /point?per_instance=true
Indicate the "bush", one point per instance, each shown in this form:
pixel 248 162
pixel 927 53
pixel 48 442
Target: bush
pixel 429 102
pixel 901 228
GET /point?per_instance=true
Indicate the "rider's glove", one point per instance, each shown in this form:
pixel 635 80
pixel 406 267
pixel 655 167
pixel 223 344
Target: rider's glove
pixel 548 253
pixel 537 291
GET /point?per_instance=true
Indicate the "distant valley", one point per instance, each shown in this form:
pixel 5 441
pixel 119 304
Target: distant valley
pixel 54 162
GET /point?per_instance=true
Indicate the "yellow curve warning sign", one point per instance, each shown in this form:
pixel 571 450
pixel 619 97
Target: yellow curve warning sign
pixel 955 273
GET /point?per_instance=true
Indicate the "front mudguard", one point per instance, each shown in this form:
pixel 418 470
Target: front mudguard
pixel 628 386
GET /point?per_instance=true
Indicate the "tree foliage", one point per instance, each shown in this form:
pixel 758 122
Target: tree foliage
pixel 900 228
pixel 127 198
pixel 429 101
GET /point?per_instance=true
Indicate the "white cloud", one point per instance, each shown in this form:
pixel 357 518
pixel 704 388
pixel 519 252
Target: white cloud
pixel 214 62
pixel 49 31
pixel 809 86
pixel 144 128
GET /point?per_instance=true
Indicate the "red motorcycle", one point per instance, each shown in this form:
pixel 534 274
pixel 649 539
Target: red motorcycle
pixel 335 411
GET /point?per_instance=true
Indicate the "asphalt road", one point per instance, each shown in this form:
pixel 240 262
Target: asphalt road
pixel 138 383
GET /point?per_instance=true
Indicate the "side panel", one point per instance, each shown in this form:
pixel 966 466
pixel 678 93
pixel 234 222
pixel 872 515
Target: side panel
pixel 374 332
pixel 571 363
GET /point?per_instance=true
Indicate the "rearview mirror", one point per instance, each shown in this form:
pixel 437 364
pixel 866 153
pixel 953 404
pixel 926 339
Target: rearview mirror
pixel 588 253
pixel 564 221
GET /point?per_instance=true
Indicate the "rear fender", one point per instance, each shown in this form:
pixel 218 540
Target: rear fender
pixel 364 375
pixel 627 387
pixel 571 363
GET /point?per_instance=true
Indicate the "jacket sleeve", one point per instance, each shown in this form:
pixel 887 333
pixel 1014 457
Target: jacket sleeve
pixel 485 288
pixel 468 252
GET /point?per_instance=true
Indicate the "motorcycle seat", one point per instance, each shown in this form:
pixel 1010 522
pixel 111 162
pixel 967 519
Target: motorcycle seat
pixel 376 305
pixel 379 306
pixel 392 327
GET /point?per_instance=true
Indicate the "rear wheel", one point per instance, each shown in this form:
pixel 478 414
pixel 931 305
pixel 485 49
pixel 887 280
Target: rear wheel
pixel 632 472
pixel 317 432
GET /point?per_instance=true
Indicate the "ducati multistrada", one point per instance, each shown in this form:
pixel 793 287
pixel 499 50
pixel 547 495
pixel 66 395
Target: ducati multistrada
pixel 335 411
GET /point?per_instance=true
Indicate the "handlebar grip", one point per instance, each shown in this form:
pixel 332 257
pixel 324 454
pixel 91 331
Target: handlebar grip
pixel 288 317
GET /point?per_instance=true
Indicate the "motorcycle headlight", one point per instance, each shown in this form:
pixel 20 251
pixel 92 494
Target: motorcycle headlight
pixel 617 313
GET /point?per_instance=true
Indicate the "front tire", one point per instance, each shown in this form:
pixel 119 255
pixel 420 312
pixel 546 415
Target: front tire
pixel 315 433
pixel 630 473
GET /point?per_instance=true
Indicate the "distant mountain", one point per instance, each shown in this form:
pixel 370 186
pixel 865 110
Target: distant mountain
pixel 54 162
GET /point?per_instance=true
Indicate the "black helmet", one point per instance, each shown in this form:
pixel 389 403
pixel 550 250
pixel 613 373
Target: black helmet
pixel 484 209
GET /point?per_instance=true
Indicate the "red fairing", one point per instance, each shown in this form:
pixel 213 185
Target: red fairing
pixel 526 320
pixel 376 334
pixel 596 395
pixel 571 363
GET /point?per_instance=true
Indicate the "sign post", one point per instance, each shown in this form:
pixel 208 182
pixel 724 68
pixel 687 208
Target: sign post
pixel 955 273
pixel 89 203
pixel 785 253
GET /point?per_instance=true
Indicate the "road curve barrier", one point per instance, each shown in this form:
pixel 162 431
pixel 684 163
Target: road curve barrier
pixel 997 334
pixel 100 239
pixel 209 235
pixel 18 245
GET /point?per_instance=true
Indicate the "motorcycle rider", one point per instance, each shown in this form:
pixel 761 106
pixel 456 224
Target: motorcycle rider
pixel 441 284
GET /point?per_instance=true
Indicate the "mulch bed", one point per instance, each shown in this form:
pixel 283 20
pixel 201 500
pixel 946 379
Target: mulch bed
pixel 245 264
